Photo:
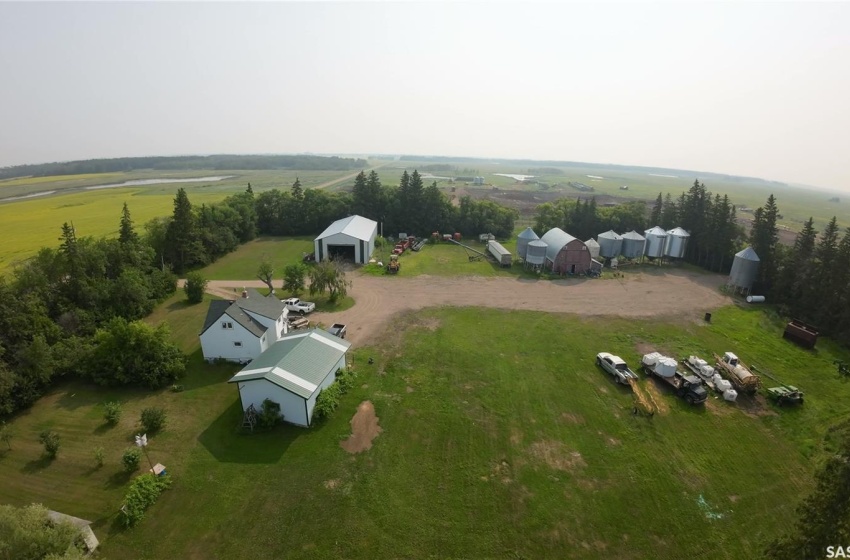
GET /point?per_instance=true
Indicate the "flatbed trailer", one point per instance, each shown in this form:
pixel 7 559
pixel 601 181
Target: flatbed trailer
pixel 733 369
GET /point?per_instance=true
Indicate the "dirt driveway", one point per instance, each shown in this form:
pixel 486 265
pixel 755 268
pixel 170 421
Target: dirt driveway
pixel 638 294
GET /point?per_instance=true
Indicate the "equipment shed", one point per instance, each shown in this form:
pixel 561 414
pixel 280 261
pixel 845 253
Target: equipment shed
pixel 352 239
pixel 292 373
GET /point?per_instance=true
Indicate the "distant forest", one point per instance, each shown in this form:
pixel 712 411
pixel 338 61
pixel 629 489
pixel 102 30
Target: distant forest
pixel 216 162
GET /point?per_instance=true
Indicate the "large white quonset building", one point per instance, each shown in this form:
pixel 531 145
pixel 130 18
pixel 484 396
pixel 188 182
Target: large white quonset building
pixel 292 373
pixel 352 238
pixel 241 330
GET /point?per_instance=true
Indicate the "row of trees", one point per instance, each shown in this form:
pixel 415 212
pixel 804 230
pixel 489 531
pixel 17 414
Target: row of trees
pixel 583 219
pixel 409 207
pixel 216 162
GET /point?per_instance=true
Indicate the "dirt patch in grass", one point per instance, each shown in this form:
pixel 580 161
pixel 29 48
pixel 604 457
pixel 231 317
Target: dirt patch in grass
pixel 516 436
pixel 644 347
pixel 556 455
pixel 364 429
pixel 331 484
pixel 571 418
pixel 756 405
pixel 718 406
pixel 659 398
pixel 409 389
pixel 734 498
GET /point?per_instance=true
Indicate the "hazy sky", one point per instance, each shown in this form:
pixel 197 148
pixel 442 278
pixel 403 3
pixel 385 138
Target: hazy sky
pixel 751 89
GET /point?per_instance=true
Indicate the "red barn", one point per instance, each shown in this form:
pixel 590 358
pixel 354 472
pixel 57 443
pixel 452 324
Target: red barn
pixel 564 253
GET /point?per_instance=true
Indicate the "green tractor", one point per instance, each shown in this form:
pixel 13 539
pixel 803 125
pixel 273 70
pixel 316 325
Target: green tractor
pixel 784 394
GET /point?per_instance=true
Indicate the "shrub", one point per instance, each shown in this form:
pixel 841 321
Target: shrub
pixel 194 287
pixel 50 440
pixel 178 388
pixel 153 419
pixel 269 415
pixel 98 456
pixel 6 434
pixel 327 401
pixel 345 378
pixel 142 494
pixel 112 413
pixel 131 459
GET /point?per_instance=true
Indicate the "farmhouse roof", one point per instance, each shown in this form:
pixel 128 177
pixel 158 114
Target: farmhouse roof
pixel 298 362
pixel 219 308
pixel 355 226
pixel 266 306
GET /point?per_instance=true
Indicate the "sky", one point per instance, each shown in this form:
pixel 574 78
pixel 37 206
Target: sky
pixel 741 88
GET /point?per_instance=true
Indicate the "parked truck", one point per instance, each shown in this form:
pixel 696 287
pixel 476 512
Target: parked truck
pixel 616 366
pixel 298 306
pixel 337 329
pixel 733 369
pixel 688 387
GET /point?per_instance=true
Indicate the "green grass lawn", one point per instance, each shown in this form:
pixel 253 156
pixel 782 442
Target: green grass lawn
pixel 243 263
pixel 501 438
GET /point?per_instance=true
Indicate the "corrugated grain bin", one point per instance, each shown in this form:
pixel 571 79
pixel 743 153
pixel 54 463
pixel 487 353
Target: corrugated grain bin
pixel 593 247
pixel 522 241
pixel 745 268
pixel 677 242
pixel 536 253
pixel 633 245
pixel 656 238
pixel 610 244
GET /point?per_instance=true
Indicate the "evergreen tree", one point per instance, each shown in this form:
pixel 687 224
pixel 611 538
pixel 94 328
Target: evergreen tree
pixel 669 213
pixel 360 196
pixel 182 244
pixel 655 215
pixel 297 191
pixel 126 233
pixel 796 270
pixel 249 190
pixel 764 237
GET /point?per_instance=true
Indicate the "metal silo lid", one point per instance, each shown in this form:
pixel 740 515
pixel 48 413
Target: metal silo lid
pixel 657 231
pixel 610 234
pixel 633 235
pixel 678 232
pixel 748 254
pixel 528 233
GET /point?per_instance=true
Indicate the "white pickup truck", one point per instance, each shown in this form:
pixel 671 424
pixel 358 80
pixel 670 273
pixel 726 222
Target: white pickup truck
pixel 616 366
pixel 298 306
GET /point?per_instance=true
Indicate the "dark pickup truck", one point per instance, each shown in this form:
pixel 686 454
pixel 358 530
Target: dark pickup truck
pixel 337 329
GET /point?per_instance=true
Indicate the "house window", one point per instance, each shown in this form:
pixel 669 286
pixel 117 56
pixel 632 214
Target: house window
pixel 237 344
pixel 226 325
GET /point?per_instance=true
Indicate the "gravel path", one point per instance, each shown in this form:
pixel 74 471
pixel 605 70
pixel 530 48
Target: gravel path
pixel 647 293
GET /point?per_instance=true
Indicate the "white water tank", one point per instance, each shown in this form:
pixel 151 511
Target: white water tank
pixel 730 395
pixel 651 358
pixel 666 367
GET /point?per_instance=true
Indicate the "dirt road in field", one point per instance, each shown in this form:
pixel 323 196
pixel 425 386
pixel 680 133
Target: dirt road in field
pixel 638 294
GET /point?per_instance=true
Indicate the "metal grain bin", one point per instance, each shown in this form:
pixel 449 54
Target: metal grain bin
pixel 633 244
pixel 593 247
pixel 656 238
pixel 536 253
pixel 745 268
pixel 610 244
pixel 677 242
pixel 522 241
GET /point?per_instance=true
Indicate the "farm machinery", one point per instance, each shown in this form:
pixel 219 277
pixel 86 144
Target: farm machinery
pixel 783 394
pixel 403 245
pixel 393 266
pixel 733 369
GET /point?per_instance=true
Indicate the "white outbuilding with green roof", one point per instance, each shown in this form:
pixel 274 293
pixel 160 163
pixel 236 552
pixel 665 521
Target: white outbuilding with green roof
pixel 292 373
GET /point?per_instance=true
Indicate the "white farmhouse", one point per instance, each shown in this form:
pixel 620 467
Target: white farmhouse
pixel 241 330
pixel 352 238
pixel 292 373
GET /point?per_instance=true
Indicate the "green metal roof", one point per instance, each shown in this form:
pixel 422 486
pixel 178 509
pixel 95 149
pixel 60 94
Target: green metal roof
pixel 298 362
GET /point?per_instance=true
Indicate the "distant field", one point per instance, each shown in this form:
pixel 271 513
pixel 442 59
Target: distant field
pixel 501 438
pixel 796 204
pixel 28 225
